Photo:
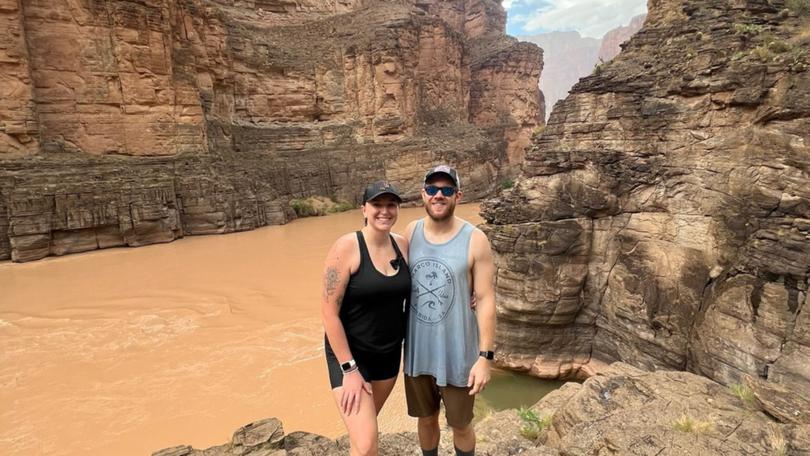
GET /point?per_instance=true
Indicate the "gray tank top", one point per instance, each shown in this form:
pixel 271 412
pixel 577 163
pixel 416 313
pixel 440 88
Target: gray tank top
pixel 442 335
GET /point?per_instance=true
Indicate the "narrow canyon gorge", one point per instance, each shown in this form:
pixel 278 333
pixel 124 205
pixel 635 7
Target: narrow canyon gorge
pixel 652 240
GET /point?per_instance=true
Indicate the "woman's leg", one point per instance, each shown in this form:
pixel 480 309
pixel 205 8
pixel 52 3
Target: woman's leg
pixel 362 426
pixel 382 389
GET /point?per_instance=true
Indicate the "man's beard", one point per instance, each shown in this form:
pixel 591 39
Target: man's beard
pixel 451 209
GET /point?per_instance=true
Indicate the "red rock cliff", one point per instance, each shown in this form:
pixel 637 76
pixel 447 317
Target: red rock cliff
pixel 663 217
pixel 613 40
pixel 128 123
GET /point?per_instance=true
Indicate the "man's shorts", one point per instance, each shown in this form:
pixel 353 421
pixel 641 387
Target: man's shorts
pixel 372 366
pixel 423 396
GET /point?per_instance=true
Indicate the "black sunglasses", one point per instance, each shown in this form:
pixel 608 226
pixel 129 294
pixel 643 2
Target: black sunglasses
pixel 447 192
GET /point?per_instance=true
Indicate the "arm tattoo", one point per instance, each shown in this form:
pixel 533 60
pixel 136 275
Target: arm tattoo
pixel 330 279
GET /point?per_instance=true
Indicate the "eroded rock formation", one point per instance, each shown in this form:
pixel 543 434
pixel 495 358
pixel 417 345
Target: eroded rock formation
pixel 628 411
pixel 613 40
pixel 663 218
pixel 128 123
pixel 567 57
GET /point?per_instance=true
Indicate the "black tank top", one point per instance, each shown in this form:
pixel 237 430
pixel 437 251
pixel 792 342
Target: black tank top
pixel 373 307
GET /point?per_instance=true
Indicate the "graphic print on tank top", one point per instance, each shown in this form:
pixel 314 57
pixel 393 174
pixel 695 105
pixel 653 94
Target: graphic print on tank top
pixel 433 285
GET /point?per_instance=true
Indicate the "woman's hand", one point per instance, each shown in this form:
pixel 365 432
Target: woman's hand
pixel 353 387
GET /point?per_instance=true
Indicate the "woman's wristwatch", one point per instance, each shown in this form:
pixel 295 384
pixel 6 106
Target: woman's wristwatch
pixel 348 367
pixel 490 355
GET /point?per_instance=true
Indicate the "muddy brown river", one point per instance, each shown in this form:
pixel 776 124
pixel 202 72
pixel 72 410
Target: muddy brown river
pixel 127 351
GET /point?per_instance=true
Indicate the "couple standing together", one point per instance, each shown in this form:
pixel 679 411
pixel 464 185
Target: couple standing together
pixel 381 287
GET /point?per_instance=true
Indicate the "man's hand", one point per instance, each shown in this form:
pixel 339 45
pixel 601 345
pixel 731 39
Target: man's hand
pixel 479 376
pixel 353 386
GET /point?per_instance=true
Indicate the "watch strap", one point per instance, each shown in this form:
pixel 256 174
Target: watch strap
pixel 348 366
pixel 487 354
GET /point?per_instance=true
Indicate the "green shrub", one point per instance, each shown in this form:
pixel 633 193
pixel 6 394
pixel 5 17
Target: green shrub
pixel 538 131
pixel 303 208
pixel 748 30
pixel 763 54
pixel 532 425
pixel 318 205
pixel 778 442
pixel 599 67
pixel 691 425
pixel 798 60
pixel 340 206
pixel 800 7
pixel 745 394
pixel 778 46
pixel 507 184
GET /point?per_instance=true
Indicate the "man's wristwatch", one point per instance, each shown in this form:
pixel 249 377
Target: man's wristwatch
pixel 348 366
pixel 490 355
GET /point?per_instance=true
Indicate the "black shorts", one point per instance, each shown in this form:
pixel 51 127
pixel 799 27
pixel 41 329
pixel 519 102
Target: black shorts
pixel 373 366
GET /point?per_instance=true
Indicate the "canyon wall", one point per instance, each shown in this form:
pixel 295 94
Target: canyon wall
pixel 612 41
pixel 567 56
pixel 17 114
pixel 663 218
pixel 129 123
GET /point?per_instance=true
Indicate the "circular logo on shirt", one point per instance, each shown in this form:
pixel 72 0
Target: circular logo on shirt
pixel 432 286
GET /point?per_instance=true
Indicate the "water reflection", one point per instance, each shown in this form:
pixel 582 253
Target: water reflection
pixel 511 390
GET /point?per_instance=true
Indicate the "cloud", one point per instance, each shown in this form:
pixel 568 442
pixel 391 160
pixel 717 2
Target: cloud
pixel 590 18
pixel 518 19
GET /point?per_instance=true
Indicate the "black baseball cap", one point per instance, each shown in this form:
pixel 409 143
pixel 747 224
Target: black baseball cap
pixel 446 170
pixel 380 188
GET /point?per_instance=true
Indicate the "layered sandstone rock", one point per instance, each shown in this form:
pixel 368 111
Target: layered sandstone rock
pixel 502 69
pixel 131 123
pixel 18 121
pixel 471 18
pixel 628 411
pixel 612 41
pixel 662 219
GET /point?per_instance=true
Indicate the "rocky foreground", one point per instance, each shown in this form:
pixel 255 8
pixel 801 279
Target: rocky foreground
pixel 622 410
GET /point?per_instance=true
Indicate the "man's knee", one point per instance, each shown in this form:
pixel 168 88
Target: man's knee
pixel 464 440
pixel 463 431
pixel 429 422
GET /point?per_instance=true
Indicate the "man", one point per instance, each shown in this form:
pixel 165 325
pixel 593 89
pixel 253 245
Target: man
pixel 448 344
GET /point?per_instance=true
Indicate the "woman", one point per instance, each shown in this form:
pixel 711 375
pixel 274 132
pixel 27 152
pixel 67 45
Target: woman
pixel 366 284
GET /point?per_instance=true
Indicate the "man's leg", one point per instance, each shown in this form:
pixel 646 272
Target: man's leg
pixel 458 405
pixel 422 396
pixel 464 440
pixel 428 430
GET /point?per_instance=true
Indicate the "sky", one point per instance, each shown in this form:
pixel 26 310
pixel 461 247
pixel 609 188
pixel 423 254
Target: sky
pixel 591 18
